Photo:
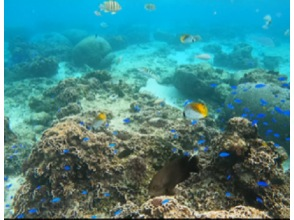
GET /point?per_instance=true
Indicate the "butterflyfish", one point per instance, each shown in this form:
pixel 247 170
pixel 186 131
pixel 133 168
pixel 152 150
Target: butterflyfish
pixel 195 110
pixel 188 38
pixel 99 120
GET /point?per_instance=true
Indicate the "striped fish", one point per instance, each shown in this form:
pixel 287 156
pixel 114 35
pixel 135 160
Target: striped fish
pixel 110 6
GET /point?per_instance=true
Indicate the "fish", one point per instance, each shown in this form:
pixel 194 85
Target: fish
pixel 260 85
pixel 22 215
pixel 97 13
pixel 56 200
pixel 224 154
pixel 259 200
pixel 67 167
pixel 32 211
pixel 112 145
pixel 203 56
pixel 99 121
pixel 228 194
pixel 107 194
pixel 149 7
pixel 239 101
pixel 172 173
pixel 127 120
pixel 268 21
pixel 84 192
pixel 86 139
pixel 213 85
pixel 148 73
pixel 262 183
pixel 188 38
pixel 117 212
pixel 195 110
pixel 111 6
pixel 65 151
pixel 165 201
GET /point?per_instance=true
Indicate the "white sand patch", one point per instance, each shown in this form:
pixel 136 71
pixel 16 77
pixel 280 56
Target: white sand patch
pixel 9 192
pixel 169 93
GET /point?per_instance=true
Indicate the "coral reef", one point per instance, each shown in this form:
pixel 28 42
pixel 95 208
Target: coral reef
pixel 239 58
pixel 196 81
pixel 90 51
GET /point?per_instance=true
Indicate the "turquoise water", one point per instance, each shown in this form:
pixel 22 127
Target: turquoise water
pixel 69 60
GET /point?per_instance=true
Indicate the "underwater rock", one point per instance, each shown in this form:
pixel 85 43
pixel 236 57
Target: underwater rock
pixel 90 51
pixel 9 136
pixel 40 118
pixel 117 42
pixel 271 62
pixel 52 44
pixel 268 106
pixel 70 109
pixel 75 35
pixel 197 80
pixel 239 58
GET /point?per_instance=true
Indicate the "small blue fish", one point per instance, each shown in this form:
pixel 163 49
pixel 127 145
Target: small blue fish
pixel 186 154
pixel 276 145
pixel 238 101
pixel 213 85
pixel 233 87
pixel 137 108
pixel 193 122
pixel 234 93
pixel 246 110
pixel 117 212
pixel 287 113
pixel 115 133
pixel 9 186
pixel 188 101
pixel 205 149
pixel 82 123
pixel 127 120
pixel 286 85
pixel 260 115
pixel 230 106
pixel 283 100
pixel 112 145
pixel 11 197
pixel 56 200
pixel 89 127
pixel 224 154
pixel 86 139
pixel 201 142
pixel 84 192
pixel 174 150
pixel 279 110
pixel 38 187
pixel 173 131
pixel 176 136
pixel 7 206
pixel 276 135
pixel 5 178
pixel 115 151
pixel 260 85
pixel 244 115
pixel 195 149
pixel 228 177
pixel 228 194
pixel 67 167
pixel 14 146
pixel 287 139
pixel 263 102
pixel 254 122
pixel 65 151
pixel 93 216
pixel 22 215
pixel 282 78
pixel 262 184
pixel 107 194
pixel 218 110
pixel 274 120
pixel 165 201
pixel 265 123
pixel 32 211
pixel 259 200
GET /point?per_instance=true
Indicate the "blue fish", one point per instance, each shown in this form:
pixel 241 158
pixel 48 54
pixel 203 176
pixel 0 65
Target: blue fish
pixel 234 93
pixel 274 120
pixel 173 131
pixel 93 216
pixel 86 139
pixel 260 85
pixel 186 154
pixel 176 136
pixel 195 149
pixel 254 122
pixel 276 145
pixel 213 85
pixel 263 102
pixel 5 178
pixel 228 177
pixel 259 200
pixel 82 123
pixel 117 212
pixel 239 101
pixel 9 186
pixel 165 201
pixel 218 110
pixel 201 142
pixel 262 184
pixel 7 206
pixel 283 100
pixel 287 112
pixel 286 85
pixel 287 139
pixel 188 101
pixel 56 200
pixel 233 87
pixel 228 194
pixel 137 108
pixel 11 197
pixel 205 149
pixel 14 146
pixel 88 127
pixel 193 122
pixel 112 145
pixel 22 215
pixel 230 106
pixel 224 154
pixel 67 167
pixel 265 123
pixel 282 78
pixel 246 110
pixel 32 211
pixel 127 120
pixel 277 135
pixel 65 151
pixel 38 187
pixel 115 132
pixel 244 115
pixel 107 194
pixel 174 150
pixel 260 115
pixel 277 109
pixel 115 151
pixel 84 192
